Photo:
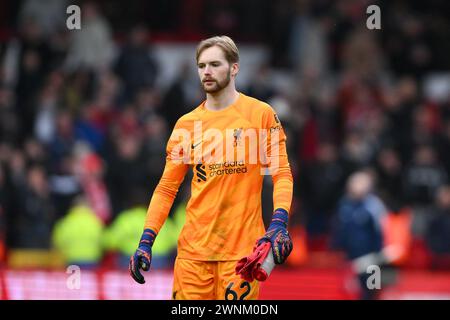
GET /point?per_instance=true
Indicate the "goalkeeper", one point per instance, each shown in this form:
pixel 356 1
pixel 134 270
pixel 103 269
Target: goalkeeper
pixel 223 242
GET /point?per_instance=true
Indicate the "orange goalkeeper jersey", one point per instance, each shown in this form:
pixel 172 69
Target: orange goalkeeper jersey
pixel 229 152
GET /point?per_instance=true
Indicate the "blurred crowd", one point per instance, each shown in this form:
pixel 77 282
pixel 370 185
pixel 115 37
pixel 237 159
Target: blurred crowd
pixel 84 125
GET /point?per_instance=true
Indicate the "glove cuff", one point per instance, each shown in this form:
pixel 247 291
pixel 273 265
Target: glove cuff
pixel 147 239
pixel 279 219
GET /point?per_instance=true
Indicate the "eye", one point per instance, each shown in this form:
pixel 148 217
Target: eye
pixel 201 65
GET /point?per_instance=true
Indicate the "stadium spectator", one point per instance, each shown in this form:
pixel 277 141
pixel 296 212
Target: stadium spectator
pixel 90 171
pixel 425 126
pixel 92 47
pixel 356 151
pixel 155 134
pixel 10 129
pixel 408 44
pixel 125 230
pixel 399 102
pixel 181 92
pixel 64 185
pixel 79 88
pixel 49 14
pixel 103 109
pixel 136 65
pixel 35 152
pixel 261 86
pixel 358 228
pixel 78 236
pixel 423 176
pixel 437 231
pixel 35 212
pixel 27 62
pixel 45 119
pixel 321 184
pixel 147 102
pixel 307 42
pixel 121 235
pixel 279 32
pixel 444 144
pixel 63 139
pixel 88 131
pixel 389 185
pixel 127 170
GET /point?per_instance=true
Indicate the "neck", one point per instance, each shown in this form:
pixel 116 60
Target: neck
pixel 222 99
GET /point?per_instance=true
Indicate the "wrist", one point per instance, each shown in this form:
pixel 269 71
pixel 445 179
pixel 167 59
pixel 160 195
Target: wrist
pixel 279 219
pixel 147 239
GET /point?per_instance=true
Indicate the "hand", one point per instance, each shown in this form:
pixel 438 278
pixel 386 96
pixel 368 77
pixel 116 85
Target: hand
pixel 278 236
pixel 142 258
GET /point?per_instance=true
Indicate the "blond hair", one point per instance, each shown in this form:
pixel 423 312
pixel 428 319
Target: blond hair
pixel 227 45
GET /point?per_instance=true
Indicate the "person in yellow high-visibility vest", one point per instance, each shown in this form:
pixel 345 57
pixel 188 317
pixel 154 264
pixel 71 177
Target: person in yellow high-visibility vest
pixel 124 232
pixel 78 236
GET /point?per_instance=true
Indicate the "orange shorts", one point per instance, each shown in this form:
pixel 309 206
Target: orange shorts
pixel 211 280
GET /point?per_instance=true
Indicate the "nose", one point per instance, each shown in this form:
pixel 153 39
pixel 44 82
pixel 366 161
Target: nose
pixel 207 70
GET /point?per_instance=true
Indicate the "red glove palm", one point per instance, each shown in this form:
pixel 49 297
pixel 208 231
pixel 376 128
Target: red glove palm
pixel 250 267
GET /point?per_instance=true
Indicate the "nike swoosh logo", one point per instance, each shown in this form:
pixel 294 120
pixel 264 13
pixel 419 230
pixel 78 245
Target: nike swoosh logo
pixel 195 145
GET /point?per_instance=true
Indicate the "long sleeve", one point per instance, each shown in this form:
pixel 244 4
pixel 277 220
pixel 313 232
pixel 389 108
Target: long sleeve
pixel 278 163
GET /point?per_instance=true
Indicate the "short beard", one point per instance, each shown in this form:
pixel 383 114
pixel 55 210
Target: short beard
pixel 219 85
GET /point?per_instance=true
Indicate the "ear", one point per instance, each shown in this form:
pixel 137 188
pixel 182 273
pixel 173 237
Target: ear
pixel 234 69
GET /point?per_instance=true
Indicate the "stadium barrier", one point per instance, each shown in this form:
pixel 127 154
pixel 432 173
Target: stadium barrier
pixel 284 284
